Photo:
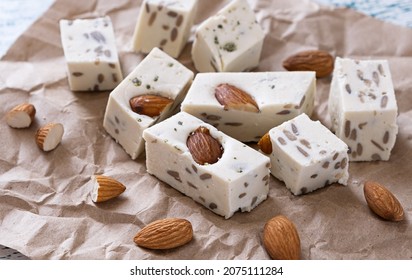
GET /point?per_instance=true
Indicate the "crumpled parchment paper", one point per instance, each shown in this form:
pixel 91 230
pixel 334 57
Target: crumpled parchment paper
pixel 45 208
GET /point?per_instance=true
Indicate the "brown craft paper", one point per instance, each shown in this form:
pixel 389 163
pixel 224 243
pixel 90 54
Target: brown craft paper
pixel 46 210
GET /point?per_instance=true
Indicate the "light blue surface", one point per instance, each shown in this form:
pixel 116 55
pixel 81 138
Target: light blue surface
pixel 16 16
pixel 397 12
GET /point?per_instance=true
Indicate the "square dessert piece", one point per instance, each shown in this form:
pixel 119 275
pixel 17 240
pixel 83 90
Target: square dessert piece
pixel 150 93
pixel 230 41
pixel 90 50
pixel 164 24
pixel 363 108
pixel 306 155
pixel 203 163
pixel 247 105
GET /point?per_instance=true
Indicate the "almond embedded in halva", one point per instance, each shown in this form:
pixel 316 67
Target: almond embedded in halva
pixel 205 149
pixel 234 98
pixel 151 105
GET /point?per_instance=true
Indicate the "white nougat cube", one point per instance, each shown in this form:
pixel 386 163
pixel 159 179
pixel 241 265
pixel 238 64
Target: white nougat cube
pixel 230 41
pixel 90 50
pixel 307 156
pixel 157 74
pixel 237 181
pixel 280 96
pixel 165 24
pixel 363 108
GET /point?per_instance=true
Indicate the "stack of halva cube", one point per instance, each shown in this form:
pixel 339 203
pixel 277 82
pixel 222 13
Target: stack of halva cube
pixel 196 129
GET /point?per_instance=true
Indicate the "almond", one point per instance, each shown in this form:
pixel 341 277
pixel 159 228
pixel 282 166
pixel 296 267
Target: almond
pixel 49 136
pixel 21 116
pixel 204 148
pixel 265 145
pixel 105 188
pixel 382 202
pixel 314 60
pixel 165 234
pixel 281 239
pixel 234 98
pixel 151 105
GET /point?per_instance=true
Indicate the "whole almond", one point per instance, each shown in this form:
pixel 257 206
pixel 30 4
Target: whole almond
pixel 232 97
pixel 314 60
pixel 21 116
pixel 49 136
pixel 264 144
pixel 151 105
pixel 165 234
pixel 281 239
pixel 382 202
pixel 106 188
pixel 204 148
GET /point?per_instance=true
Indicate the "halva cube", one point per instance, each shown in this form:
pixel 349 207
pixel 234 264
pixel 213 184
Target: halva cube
pixel 150 93
pixel 307 156
pixel 90 50
pixel 165 24
pixel 363 108
pixel 230 41
pixel 205 164
pixel 247 105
